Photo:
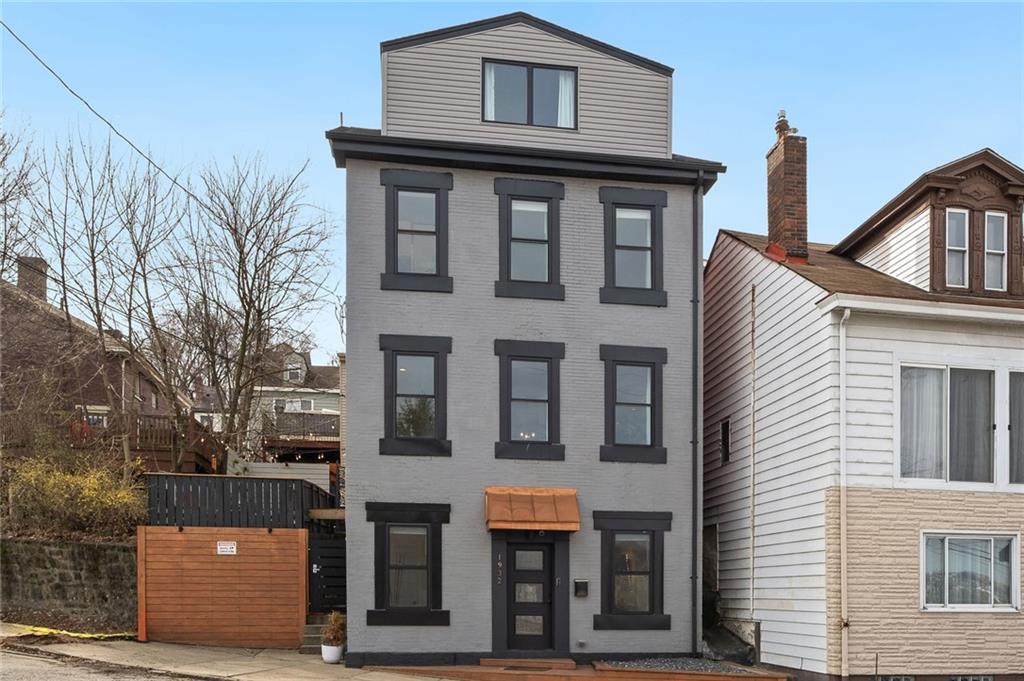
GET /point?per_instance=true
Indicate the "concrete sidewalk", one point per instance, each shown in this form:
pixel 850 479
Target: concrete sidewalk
pixel 202 661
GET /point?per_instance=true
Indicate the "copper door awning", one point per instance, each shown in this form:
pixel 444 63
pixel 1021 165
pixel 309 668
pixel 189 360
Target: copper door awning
pixel 531 508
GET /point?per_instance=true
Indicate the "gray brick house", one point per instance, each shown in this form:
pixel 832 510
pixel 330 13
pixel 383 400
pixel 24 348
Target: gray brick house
pixel 523 349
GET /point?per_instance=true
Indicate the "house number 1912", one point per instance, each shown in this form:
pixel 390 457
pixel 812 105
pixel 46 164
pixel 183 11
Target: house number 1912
pixel 499 571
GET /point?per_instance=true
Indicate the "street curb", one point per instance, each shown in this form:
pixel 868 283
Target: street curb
pixel 38 651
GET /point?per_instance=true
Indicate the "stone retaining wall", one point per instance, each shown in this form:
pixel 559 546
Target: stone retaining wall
pixel 73 581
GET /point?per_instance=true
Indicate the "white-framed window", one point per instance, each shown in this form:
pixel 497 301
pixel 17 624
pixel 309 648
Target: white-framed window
pixel 995 251
pixel 298 405
pixel 294 372
pixel 970 570
pixel 957 237
pixel 947 417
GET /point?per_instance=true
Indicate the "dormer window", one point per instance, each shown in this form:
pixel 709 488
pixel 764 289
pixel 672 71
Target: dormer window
pixel 293 373
pixel 956 247
pixel 529 94
pixel 995 251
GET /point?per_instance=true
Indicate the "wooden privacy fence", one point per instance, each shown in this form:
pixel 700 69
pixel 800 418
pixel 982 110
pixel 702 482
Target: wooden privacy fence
pixel 243 587
pixel 232 501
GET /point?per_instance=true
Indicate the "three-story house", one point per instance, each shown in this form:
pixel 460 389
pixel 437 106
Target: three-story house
pixel 524 282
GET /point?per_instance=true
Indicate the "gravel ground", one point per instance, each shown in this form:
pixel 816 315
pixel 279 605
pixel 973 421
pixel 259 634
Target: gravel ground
pixel 18 666
pixel 678 664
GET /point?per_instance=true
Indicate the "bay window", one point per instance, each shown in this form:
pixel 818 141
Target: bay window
pixel 946 423
pixel 529 94
pixel 966 570
pixel 957 237
pixel 995 251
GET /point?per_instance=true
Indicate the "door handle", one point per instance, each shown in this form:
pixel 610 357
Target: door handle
pixel 316 568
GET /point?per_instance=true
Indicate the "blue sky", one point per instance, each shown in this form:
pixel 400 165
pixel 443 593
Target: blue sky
pixel 883 92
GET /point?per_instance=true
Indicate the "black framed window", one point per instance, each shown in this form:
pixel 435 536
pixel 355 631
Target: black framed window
pixel 633 262
pixel 633 404
pixel 725 440
pixel 415 395
pixel 407 564
pixel 416 222
pixel 529 94
pixel 528 239
pixel 528 382
pixel 632 569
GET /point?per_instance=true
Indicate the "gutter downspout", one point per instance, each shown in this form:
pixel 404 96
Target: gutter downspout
pixel 697 219
pixel 753 434
pixel 843 612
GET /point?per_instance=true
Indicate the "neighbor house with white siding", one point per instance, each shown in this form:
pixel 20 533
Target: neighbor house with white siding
pixel 864 429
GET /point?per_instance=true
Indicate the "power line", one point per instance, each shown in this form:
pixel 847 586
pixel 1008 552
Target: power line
pixel 103 118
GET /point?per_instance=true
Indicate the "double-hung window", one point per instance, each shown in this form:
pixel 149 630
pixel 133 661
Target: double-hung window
pixel 416 223
pixel 946 423
pixel 415 400
pixel 632 569
pixel 407 564
pixel 970 571
pixel 298 405
pixel 529 385
pixel 1016 427
pixel 633 404
pixel 528 239
pixel 529 94
pixel 995 251
pixel 633 246
pixel 957 238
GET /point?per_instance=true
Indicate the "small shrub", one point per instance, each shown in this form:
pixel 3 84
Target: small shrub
pixel 334 631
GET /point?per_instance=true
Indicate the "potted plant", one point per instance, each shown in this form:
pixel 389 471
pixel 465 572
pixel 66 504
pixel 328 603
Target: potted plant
pixel 332 638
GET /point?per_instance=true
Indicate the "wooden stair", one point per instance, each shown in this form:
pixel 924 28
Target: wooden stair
pixel 530 663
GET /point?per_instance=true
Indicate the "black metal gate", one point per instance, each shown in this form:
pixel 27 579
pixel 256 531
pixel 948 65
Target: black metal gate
pixel 326 572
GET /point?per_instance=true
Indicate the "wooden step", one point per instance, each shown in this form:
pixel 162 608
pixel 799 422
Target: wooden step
pixel 528 663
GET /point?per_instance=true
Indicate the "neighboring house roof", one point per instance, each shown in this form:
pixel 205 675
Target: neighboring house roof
pixel 945 176
pixel 528 20
pixel 840 274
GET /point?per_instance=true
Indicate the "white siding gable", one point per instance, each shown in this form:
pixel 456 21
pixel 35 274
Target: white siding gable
pixel 903 253
pixel 434 91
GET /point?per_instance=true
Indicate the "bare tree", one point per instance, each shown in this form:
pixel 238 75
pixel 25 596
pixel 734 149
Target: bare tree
pixel 16 183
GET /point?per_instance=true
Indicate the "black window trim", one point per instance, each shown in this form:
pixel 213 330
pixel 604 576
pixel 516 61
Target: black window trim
pixel 530 66
pixel 655 524
pixel 384 514
pixel 439 347
pixel 656 358
pixel 506 448
pixel 508 189
pixel 654 200
pixel 395 180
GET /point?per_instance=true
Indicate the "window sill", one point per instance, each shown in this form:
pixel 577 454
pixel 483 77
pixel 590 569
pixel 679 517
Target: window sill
pixel 633 296
pixel 536 451
pixel 415 282
pixel 529 289
pixel 634 454
pixel 394 446
pixel 991 609
pixel 407 618
pixel 632 622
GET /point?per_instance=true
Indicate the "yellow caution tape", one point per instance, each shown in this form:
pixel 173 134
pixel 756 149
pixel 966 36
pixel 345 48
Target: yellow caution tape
pixel 27 629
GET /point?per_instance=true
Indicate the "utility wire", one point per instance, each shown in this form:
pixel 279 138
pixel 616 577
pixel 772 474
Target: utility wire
pixel 103 118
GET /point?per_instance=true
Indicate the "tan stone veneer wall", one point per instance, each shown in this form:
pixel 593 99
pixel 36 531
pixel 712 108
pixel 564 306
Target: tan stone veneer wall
pixel 883 541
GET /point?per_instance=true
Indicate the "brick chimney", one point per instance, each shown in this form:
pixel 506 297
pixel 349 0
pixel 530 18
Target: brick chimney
pixel 787 194
pixel 32 276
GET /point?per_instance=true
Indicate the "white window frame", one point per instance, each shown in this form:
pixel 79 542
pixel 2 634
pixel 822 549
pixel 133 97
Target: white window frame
pixel 291 403
pixel 1014 535
pixel 1003 253
pixel 966 248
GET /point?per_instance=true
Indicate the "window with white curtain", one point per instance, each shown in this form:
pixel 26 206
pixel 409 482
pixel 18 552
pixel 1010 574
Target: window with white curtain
pixel 946 423
pixel 995 251
pixel 957 235
pixel 969 571
pixel 529 94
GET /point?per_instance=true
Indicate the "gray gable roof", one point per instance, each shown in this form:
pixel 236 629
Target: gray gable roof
pixel 529 20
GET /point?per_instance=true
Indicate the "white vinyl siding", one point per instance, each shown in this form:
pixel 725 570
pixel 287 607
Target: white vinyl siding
pixel 434 91
pixel 877 347
pixel 796 439
pixel 905 252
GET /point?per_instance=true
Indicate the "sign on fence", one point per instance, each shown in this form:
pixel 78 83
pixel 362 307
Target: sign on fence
pixel 227 548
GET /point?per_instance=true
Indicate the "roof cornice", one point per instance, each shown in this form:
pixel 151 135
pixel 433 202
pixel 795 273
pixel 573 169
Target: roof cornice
pixel 362 143
pixel 529 20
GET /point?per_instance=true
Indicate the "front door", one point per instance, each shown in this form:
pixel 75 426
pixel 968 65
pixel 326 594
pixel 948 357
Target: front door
pixel 326 572
pixel 529 597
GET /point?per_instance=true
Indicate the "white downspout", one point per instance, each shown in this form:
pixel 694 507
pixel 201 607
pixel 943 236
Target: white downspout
pixel 843 612
pixel 753 434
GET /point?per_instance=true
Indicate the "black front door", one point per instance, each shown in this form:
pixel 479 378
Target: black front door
pixel 326 572
pixel 529 597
